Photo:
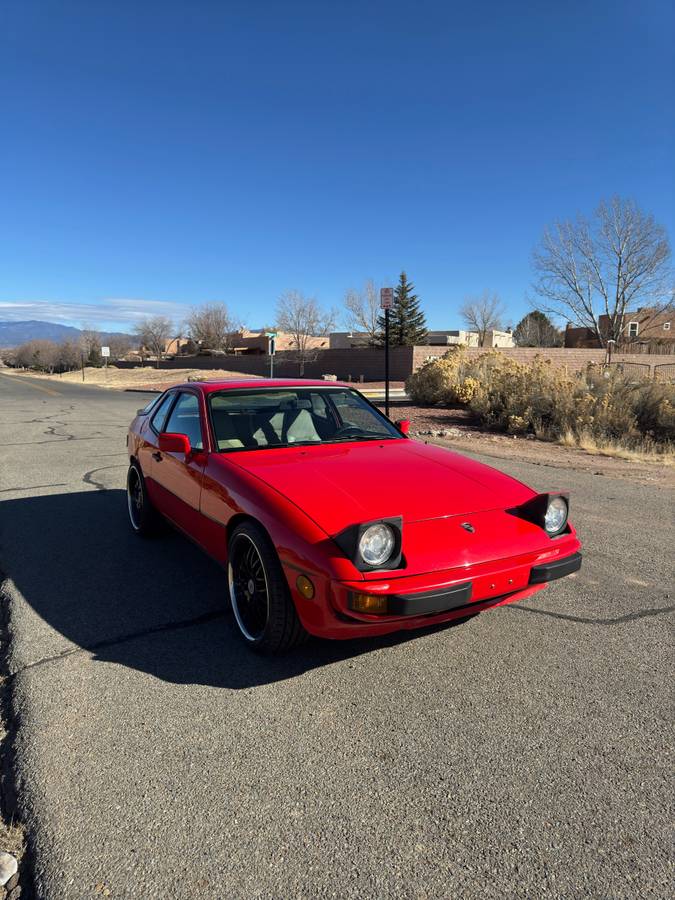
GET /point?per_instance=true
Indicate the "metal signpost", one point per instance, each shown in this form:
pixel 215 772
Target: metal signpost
pixel 386 303
pixel 105 353
pixel 271 336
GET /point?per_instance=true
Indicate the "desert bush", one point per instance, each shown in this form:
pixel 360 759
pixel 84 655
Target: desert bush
pixel 655 410
pixel 526 398
pixel 541 399
pixel 433 381
pixel 446 380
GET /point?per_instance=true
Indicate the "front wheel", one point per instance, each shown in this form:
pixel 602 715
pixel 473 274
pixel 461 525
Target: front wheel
pixel 261 602
pixel 142 514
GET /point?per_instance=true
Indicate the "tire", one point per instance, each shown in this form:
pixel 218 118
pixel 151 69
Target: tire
pixel 261 601
pixel 142 514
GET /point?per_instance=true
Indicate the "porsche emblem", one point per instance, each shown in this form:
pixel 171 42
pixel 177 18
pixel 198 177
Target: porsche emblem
pixel 467 526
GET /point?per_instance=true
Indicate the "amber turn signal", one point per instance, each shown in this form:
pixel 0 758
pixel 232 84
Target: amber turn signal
pixel 368 603
pixel 305 587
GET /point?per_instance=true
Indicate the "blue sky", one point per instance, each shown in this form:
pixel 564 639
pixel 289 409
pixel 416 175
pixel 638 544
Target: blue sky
pixel 157 155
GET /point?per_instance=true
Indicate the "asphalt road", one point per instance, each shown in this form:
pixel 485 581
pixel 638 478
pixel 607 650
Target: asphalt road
pixel 525 753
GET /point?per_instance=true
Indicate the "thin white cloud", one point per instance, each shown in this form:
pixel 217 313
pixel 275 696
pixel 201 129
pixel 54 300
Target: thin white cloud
pixel 114 313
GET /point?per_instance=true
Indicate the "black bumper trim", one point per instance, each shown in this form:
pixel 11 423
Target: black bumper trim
pixel 429 601
pixel 556 569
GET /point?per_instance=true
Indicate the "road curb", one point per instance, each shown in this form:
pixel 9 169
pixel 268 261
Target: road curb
pixel 141 391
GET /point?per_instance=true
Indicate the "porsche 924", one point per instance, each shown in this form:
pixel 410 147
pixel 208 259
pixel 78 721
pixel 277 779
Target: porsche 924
pixel 329 519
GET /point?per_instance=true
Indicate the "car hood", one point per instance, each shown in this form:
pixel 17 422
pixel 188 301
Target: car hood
pixel 338 485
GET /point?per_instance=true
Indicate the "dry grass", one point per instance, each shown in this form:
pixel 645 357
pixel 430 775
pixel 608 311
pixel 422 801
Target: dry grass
pixel 145 376
pixel 645 451
pixel 12 839
pixel 11 835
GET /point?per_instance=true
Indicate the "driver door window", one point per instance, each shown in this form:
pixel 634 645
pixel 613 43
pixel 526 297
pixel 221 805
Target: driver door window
pixel 179 478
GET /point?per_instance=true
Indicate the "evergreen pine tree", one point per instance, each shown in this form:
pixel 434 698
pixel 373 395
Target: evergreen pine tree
pixel 407 325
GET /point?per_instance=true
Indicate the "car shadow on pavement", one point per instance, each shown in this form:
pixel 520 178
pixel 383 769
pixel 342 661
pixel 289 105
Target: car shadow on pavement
pixel 159 605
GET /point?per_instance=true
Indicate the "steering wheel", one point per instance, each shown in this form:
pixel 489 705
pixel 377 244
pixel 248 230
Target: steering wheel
pixel 348 429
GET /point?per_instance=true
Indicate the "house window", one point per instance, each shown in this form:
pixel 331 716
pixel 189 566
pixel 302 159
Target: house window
pixel 632 329
pixel 666 326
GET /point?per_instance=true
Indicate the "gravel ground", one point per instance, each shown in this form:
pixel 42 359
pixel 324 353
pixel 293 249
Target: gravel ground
pixel 423 418
pixel 462 432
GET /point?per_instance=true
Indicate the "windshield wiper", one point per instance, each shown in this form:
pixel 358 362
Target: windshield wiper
pixel 360 437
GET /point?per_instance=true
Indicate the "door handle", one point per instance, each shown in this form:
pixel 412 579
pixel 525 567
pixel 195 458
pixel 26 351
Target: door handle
pixel 157 455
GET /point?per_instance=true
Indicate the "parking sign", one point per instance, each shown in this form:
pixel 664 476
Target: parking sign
pixel 386 298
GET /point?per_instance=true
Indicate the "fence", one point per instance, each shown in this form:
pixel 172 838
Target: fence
pixel 664 372
pixel 633 369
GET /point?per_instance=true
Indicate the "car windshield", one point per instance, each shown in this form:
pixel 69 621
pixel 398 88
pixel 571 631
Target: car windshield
pixel 267 418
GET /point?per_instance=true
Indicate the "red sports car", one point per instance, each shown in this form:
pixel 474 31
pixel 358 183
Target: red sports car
pixel 329 519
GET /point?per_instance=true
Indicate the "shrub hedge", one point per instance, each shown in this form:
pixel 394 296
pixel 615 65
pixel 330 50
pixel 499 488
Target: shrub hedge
pixel 541 399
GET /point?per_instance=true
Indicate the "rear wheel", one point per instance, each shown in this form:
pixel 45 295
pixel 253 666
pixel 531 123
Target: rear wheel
pixel 261 601
pixel 142 514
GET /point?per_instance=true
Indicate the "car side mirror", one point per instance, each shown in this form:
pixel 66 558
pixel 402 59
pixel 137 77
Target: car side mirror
pixel 403 426
pixel 174 443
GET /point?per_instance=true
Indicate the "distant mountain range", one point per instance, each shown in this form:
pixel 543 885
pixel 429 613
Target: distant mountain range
pixel 14 333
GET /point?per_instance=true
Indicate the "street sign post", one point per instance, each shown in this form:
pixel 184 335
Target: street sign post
pixel 271 349
pixel 386 303
pixel 105 353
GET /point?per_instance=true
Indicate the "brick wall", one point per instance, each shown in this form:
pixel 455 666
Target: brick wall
pixel 368 363
pixel 575 360
pixel 348 363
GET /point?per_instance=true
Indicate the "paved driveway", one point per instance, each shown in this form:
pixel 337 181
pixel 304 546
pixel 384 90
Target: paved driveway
pixel 522 754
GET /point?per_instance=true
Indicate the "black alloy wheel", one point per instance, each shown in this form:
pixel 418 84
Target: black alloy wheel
pixel 142 514
pixel 261 601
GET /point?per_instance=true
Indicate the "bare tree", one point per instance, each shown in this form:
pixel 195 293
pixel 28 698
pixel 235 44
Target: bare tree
pixel 153 333
pixel 8 356
pixel 38 354
pixel 91 341
pixel 69 355
pixel 362 311
pixel 213 327
pixel 535 329
pixel 604 267
pixel 305 321
pixel 482 314
pixel 120 345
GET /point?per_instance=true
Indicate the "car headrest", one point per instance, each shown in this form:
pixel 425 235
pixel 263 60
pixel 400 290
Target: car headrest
pixel 295 403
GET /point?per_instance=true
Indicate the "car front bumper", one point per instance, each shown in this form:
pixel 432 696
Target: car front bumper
pixel 422 600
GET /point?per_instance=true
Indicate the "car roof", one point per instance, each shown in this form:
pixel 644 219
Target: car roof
pixel 224 384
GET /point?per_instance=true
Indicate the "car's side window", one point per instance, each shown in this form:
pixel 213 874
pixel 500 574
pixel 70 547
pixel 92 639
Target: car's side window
pixel 185 419
pixel 159 418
